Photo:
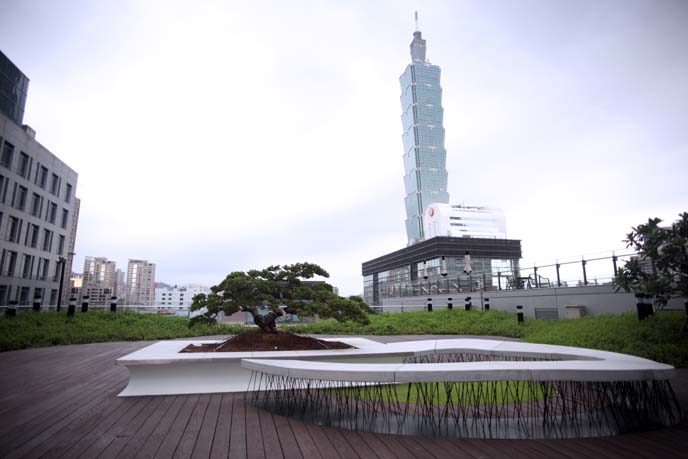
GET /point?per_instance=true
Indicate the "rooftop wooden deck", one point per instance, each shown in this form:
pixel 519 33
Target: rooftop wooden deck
pixel 61 402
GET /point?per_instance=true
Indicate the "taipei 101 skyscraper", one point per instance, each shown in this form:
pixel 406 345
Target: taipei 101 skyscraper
pixel 425 159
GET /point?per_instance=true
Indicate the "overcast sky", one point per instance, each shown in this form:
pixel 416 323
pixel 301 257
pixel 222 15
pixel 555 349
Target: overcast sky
pixel 215 136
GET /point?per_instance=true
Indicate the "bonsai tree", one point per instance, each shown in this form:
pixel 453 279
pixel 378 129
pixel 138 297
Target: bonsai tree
pixel 660 270
pixel 280 290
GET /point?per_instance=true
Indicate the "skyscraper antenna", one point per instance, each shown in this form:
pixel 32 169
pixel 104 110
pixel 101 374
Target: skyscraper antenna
pixel 416 21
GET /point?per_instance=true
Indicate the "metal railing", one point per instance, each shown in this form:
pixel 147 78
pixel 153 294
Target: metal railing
pixel 594 269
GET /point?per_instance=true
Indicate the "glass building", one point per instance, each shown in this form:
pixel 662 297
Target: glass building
pixel 425 169
pixel 13 89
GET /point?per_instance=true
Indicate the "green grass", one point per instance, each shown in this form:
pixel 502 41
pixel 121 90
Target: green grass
pixel 658 338
pixel 466 392
pixel 30 329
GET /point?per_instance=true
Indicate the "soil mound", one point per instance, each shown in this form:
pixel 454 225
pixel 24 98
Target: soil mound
pixel 256 340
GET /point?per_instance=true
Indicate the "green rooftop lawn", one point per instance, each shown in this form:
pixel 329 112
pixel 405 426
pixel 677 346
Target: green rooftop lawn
pixel 658 338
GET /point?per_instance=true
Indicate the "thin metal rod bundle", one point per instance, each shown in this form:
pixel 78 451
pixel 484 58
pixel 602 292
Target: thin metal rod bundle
pixel 488 409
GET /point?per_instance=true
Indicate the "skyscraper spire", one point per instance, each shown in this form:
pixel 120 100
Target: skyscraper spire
pixel 417 48
pixel 416 21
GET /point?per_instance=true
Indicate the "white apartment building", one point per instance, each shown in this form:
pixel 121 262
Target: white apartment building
pixel 99 280
pixel 140 285
pixel 178 297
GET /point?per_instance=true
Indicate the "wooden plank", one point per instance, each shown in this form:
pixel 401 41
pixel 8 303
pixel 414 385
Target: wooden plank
pixel 488 448
pixel 193 427
pixel 254 437
pixel 41 413
pixel 174 434
pixel 134 443
pixel 359 446
pixel 339 443
pixel 223 429
pixel 453 449
pixel 392 442
pixel 271 442
pixel 156 437
pixel 128 432
pixel 287 439
pixel 321 441
pixel 561 448
pixel 414 447
pixel 106 437
pixel 84 441
pixel 373 441
pixel 305 443
pixel 72 431
pixel 26 439
pixel 584 446
pixel 204 440
pixel 518 448
pixel 237 438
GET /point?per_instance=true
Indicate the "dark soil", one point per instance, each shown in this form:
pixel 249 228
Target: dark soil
pixel 256 340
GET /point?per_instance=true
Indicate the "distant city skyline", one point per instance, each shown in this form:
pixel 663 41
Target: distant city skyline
pixel 216 137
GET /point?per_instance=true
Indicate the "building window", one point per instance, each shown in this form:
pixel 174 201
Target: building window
pixel 60 245
pixel 11 263
pixel 38 295
pixel 7 154
pixel 52 212
pixel 43 268
pixel 3 294
pixel 65 216
pixel 55 185
pixel 27 266
pixel 13 229
pixel 24 168
pixel 4 181
pixel 43 177
pixel 24 295
pixel 47 240
pixel 20 197
pixel 68 193
pixel 36 205
pixel 53 296
pixel 33 236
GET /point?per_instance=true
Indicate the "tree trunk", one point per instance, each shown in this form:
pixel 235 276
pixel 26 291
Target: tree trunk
pixel 265 322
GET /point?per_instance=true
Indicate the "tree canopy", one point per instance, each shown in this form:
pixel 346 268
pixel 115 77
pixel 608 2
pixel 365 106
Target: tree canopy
pixel 269 292
pixel 660 270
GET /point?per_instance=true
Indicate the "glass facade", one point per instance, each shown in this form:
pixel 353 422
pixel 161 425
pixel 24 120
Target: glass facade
pixel 425 278
pixel 425 171
pixel 13 89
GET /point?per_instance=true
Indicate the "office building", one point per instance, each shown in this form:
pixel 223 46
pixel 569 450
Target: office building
pixel 140 283
pixel 425 159
pixel 173 297
pixel 99 280
pixel 38 207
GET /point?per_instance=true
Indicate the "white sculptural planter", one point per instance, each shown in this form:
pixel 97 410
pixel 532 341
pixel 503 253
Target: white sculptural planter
pixel 584 392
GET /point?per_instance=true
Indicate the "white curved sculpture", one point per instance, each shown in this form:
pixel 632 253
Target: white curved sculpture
pixel 474 388
pixel 559 363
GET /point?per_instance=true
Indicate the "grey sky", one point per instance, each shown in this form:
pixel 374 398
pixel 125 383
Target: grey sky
pixel 215 136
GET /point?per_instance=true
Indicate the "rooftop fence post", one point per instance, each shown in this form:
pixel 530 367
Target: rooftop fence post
pixel 519 314
pixel 558 278
pixel 72 306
